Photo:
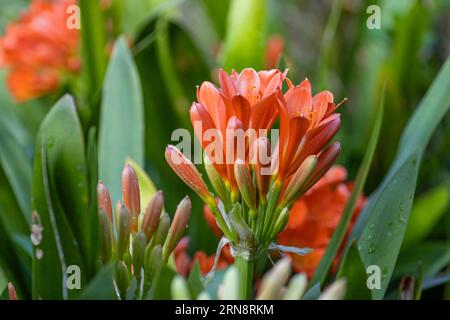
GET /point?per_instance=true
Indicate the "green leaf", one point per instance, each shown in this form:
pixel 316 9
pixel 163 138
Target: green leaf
pixel 353 270
pixel 146 185
pixel 382 224
pixel 339 234
pixel 3 281
pixel 194 280
pixel 381 239
pixel 121 133
pixel 433 256
pixel 101 287
pixel 60 198
pixel 426 213
pixel 244 42
pixel 93 42
pixel 92 159
pixel 17 167
pixel 162 289
pixel 313 293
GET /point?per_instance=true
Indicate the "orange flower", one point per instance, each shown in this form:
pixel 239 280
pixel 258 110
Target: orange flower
pixel 39 49
pixel 307 124
pixel 244 100
pixel 274 50
pixel 315 216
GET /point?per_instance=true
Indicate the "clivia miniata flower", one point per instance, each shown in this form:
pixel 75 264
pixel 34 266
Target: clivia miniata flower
pixel 255 196
pixel 39 50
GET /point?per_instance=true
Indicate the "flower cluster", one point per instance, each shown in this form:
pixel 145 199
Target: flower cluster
pixel 256 184
pixel 39 50
pixel 139 242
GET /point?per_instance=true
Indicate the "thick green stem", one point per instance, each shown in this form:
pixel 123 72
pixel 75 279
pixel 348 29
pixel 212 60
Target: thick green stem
pixel 245 269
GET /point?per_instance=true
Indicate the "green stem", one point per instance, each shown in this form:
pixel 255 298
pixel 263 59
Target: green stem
pixel 245 269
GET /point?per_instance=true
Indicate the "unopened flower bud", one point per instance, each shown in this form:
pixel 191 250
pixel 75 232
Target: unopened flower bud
pixel 106 236
pixel 215 178
pixel 12 291
pixel 139 245
pixel 261 161
pixel 179 224
pixel 161 232
pixel 245 184
pixel 104 199
pixel 274 280
pixel 152 265
pixel 336 291
pixel 152 214
pixel 179 289
pixel 123 230
pixel 281 221
pixel 299 179
pixel 122 279
pixel 187 171
pixel 131 194
pixel 324 162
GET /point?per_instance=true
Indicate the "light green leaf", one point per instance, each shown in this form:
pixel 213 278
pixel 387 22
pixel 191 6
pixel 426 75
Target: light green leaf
pixel 426 213
pixel 244 42
pixel 121 133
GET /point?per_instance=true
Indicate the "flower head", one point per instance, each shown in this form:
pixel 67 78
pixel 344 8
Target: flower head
pixel 39 49
pixel 232 123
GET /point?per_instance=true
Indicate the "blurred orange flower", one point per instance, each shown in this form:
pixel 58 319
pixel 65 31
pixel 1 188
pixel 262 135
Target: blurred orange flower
pixel 315 216
pixel 39 49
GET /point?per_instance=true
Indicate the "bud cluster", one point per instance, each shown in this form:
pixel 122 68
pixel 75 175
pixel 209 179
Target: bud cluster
pixel 138 242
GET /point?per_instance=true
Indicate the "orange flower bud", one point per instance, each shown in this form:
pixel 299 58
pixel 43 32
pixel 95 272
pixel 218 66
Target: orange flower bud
pixel 12 292
pixel 178 226
pixel 152 214
pixel 104 200
pixel 261 161
pixel 131 194
pixel 186 170
pixel 298 180
pixel 245 184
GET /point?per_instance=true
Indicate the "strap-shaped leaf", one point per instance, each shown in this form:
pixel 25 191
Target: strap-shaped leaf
pixel 60 198
pixel 121 134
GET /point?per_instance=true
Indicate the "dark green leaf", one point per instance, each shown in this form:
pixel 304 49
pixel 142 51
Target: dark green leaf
pixel 60 198
pixel 353 270
pixel 428 209
pixel 101 287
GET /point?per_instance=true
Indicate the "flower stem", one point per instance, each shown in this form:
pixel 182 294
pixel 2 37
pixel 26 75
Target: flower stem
pixel 245 269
